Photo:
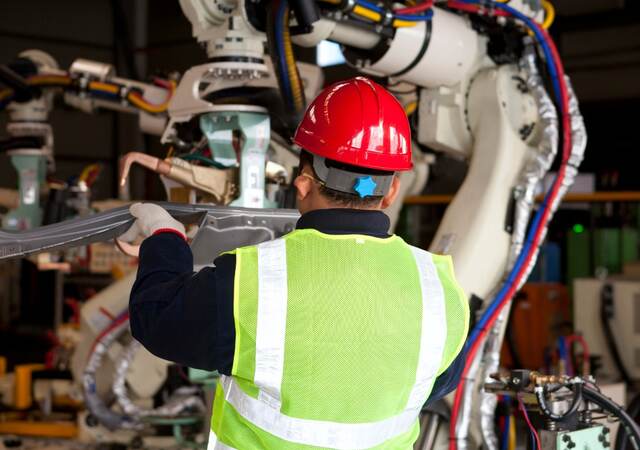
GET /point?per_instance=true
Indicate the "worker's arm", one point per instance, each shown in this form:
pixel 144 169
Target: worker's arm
pixel 179 315
pixel 457 317
pixel 448 380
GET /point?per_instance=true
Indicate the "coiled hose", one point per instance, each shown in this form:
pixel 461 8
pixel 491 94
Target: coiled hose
pixel 283 58
pixel 541 391
pixel 628 426
pixel 633 410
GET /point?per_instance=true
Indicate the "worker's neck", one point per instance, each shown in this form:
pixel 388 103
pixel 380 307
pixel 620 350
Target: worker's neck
pixel 329 206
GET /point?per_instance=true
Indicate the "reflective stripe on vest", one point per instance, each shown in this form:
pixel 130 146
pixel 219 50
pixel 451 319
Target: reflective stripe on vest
pixel 435 322
pixel 215 444
pixel 264 412
pixel 317 433
pixel 272 320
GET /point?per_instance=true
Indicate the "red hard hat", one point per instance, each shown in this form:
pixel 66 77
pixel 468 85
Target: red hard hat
pixel 357 122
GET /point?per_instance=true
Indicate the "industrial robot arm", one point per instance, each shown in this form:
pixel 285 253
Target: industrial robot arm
pixel 30 86
pixel 86 85
pixel 473 101
pixel 481 98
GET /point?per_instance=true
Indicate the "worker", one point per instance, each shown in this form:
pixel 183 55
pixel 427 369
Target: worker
pixel 333 336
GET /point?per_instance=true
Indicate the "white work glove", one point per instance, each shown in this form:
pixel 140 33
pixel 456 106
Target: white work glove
pixel 150 219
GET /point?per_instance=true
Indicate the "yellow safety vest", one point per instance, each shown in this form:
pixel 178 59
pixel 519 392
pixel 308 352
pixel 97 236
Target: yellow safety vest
pixel 339 339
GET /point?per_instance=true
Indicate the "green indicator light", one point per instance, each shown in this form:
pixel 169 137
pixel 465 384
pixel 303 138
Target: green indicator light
pixel 578 228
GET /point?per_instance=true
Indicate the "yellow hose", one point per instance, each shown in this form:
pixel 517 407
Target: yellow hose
pixel 153 109
pixel 410 108
pixel 549 14
pixel 512 433
pixel 5 93
pixel 138 101
pixel 297 91
pixel 398 23
pixel 99 86
pixel 367 13
pixel 37 80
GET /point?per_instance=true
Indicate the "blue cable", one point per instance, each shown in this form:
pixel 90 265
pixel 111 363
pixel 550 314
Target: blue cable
pixel 428 15
pixel 512 275
pixel 279 25
pixel 533 27
pixel 370 5
pixel 504 445
pixel 104 94
pixel 538 217
pixel 540 37
pixel 562 349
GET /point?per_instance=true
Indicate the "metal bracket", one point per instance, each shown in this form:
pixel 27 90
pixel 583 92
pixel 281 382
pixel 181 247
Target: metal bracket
pixel 220 229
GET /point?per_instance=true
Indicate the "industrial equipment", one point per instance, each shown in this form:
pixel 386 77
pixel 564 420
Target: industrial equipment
pixel 571 412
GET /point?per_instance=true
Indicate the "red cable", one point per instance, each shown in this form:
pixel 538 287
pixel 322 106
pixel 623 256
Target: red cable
pixel 107 330
pixel 475 9
pixel 421 7
pixel 106 313
pixel 585 347
pixel 75 307
pixel 566 153
pixel 163 83
pixel 526 418
pixel 586 354
pixel 428 4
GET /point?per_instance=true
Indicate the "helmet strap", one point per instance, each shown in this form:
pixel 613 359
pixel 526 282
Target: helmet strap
pixel 356 183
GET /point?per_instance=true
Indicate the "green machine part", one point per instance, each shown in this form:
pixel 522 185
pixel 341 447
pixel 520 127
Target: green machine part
pixel 205 377
pixel 222 127
pixel 252 126
pixel 578 254
pixel 31 166
pixel 596 437
pixel 629 245
pixel 613 247
pixel 606 249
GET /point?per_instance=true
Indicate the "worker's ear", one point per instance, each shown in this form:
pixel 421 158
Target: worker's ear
pixel 303 185
pixel 394 190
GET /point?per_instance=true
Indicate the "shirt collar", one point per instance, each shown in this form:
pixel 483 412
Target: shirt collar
pixel 346 221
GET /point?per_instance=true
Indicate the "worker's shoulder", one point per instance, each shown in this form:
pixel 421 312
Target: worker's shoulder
pixel 437 258
pixel 253 248
pixel 444 270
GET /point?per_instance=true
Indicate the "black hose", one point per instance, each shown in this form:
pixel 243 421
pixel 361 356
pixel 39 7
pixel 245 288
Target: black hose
pixel 22 92
pixel 21 142
pixel 622 438
pixel 626 422
pixel 274 51
pixel 542 403
pixel 286 71
pixel 307 13
pixel 606 313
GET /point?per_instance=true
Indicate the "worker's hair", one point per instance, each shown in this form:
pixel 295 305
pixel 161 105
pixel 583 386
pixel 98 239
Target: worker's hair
pixel 338 198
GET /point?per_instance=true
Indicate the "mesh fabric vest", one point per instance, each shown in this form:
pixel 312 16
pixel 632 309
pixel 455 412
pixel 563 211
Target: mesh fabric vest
pixel 339 339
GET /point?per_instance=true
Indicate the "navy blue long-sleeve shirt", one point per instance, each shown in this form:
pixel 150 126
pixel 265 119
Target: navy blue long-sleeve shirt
pixel 187 317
